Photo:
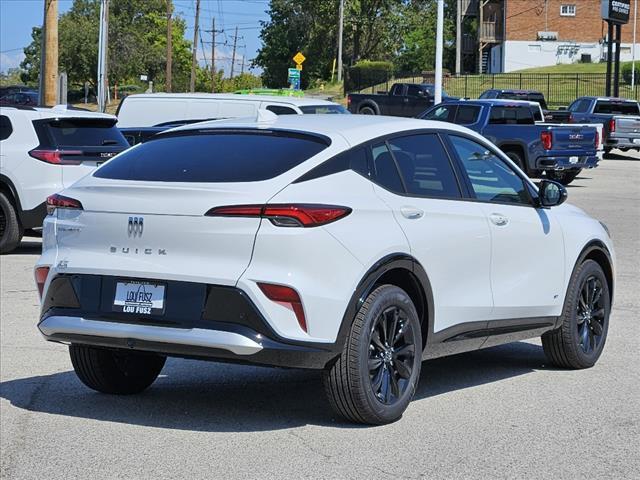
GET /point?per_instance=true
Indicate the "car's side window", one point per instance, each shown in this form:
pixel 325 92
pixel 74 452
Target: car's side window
pixel 490 177
pixel 425 166
pixel 467 114
pixel 281 110
pixel 5 127
pixel 385 171
pixel 443 113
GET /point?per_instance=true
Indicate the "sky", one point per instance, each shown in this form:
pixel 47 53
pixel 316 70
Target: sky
pixel 17 17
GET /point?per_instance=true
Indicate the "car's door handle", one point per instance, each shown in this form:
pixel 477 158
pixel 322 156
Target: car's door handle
pixel 498 219
pixel 411 213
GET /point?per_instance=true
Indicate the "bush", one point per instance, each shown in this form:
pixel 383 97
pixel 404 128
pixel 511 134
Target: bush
pixel 626 73
pixel 367 73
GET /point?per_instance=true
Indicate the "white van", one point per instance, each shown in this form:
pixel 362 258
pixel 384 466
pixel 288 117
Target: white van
pixel 163 109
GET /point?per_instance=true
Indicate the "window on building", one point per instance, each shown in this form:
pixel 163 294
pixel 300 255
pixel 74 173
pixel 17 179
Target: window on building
pixel 568 10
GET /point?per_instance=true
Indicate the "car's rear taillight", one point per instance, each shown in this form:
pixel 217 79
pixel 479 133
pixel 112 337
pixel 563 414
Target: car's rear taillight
pixel 57 157
pixel 547 140
pixel 597 140
pixel 612 125
pixel 60 201
pixel 288 297
pixel 285 215
pixel 41 275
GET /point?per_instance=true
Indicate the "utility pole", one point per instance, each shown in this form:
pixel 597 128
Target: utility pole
pixel 633 53
pixel 194 59
pixel 102 55
pixel 233 56
pixel 213 55
pixel 340 28
pixel 242 69
pixel 458 37
pixel 49 69
pixel 439 49
pixel 169 71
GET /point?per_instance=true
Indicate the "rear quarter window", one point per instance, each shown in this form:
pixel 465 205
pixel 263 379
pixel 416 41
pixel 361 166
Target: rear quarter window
pixel 5 127
pixel 214 157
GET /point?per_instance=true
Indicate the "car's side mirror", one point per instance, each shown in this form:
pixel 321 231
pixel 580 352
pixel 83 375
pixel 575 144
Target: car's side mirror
pixel 551 194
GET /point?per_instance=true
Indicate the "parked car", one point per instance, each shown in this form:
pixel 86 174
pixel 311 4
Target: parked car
pixel 620 118
pixel 20 99
pixel 403 100
pixel 44 150
pixel 557 116
pixel 161 109
pixel 559 151
pixel 355 245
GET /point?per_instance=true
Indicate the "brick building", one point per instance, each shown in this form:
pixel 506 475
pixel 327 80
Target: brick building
pixel 517 34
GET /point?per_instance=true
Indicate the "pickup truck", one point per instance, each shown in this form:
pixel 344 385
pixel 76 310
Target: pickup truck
pixel 620 118
pixel 558 151
pixel 403 100
pixel 558 116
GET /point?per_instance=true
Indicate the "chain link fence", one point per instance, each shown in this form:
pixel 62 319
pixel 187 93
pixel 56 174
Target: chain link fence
pixel 559 89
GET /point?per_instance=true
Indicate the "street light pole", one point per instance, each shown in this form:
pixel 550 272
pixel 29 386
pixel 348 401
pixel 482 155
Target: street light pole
pixel 439 48
pixel 102 55
pixel 633 47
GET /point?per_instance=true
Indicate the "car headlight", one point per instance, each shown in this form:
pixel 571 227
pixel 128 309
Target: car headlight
pixel 606 229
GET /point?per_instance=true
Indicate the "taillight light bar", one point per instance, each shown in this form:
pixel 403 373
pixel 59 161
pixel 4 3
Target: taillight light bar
pixel 55 156
pixel 612 125
pixel 547 140
pixel 60 201
pixel 597 140
pixel 285 215
pixel 41 275
pixel 287 297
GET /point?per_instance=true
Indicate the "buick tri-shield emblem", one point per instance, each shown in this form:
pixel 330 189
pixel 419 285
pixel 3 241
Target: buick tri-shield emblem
pixel 136 226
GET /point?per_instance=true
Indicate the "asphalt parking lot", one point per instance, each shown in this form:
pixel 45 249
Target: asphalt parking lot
pixel 496 413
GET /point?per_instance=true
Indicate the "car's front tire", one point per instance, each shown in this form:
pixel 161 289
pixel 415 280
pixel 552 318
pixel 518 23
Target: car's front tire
pixel 10 229
pixel 118 372
pixel 375 377
pixel 579 341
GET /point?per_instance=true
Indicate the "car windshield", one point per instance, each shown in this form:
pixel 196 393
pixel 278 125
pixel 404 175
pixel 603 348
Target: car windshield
pixel 324 109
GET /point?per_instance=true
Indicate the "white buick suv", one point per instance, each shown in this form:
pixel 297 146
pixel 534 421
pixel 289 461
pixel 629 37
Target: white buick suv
pixel 357 245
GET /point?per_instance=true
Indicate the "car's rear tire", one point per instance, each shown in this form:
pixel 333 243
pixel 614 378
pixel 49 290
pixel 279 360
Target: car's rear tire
pixel 375 377
pixel 579 341
pixel 10 229
pixel 565 177
pixel 117 372
pixel 516 158
pixel 367 110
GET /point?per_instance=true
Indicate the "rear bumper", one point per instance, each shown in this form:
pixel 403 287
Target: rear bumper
pixel 615 141
pixel 200 321
pixel 33 218
pixel 567 163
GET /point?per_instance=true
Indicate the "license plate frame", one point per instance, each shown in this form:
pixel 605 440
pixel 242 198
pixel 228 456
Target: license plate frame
pixel 573 160
pixel 139 297
pixel 636 141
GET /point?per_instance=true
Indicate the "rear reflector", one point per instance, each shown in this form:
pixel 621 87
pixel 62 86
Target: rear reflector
pixel 56 156
pixel 287 297
pixel 60 201
pixel 289 215
pixel 41 275
pixel 547 140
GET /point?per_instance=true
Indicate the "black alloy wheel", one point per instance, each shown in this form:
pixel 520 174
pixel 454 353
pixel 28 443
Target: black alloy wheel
pixel 591 314
pixel 391 355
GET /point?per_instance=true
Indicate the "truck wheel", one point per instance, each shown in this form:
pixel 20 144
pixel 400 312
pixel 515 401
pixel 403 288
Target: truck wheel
pixel 116 372
pixel 565 177
pixel 580 339
pixel 367 110
pixel 10 229
pixel 517 159
pixel 607 150
pixel 375 377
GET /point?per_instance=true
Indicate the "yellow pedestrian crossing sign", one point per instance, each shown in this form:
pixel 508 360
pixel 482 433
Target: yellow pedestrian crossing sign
pixel 299 58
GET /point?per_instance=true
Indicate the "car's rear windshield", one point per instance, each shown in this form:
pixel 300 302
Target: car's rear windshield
pixel 214 157
pixel 617 108
pixel 324 109
pixel 80 132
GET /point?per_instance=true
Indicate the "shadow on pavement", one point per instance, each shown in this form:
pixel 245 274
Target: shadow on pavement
pixel 204 396
pixel 27 248
pixel 621 156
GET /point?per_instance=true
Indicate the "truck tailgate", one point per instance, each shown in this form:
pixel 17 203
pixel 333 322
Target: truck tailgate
pixel 570 139
pixel 626 124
